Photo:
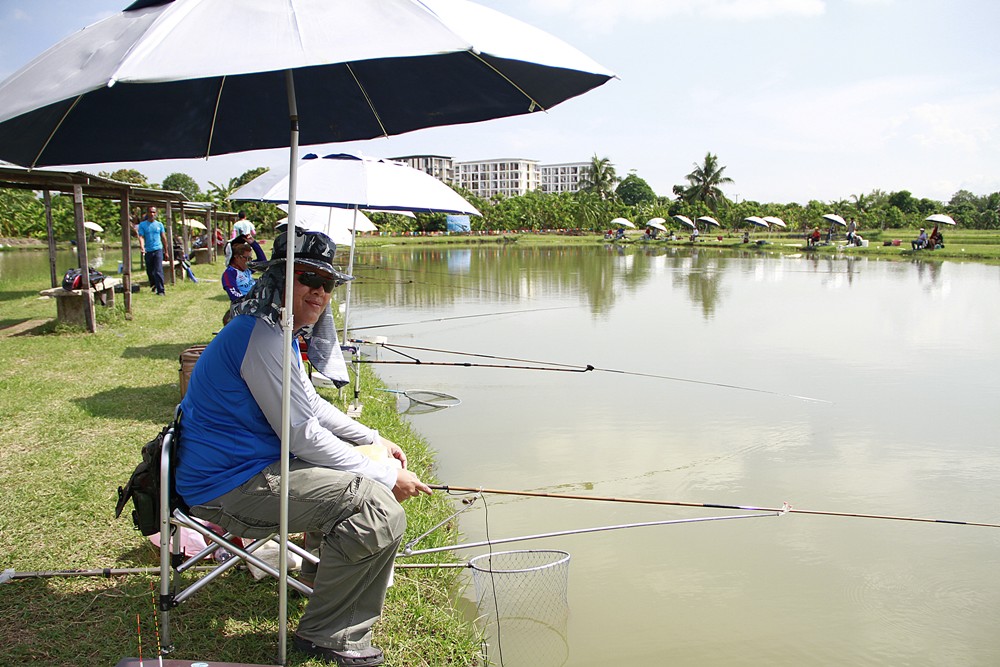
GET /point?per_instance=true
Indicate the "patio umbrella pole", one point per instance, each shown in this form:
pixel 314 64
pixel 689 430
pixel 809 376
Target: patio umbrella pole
pixel 286 372
pixel 347 308
pixel 350 269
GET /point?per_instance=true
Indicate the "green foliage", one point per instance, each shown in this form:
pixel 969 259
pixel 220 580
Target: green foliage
pixel 704 184
pixel 21 214
pixel 634 190
pixel 127 176
pixel 599 178
pixel 903 201
pixel 184 184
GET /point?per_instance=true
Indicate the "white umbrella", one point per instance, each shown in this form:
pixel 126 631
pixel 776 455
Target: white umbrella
pixel 777 222
pixel 684 220
pixel 754 220
pixel 940 218
pixel 657 223
pixel 321 218
pixel 347 181
pixel 343 180
pixel 193 224
pixel 709 220
pixel 93 225
pixel 622 222
pixel 834 218
pixel 337 223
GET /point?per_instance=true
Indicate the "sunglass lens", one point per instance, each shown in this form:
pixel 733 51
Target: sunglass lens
pixel 314 280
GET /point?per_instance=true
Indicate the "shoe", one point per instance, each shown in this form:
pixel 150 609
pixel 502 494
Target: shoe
pixel 368 657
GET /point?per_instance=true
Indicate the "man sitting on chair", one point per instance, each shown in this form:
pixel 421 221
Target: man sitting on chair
pixel 228 453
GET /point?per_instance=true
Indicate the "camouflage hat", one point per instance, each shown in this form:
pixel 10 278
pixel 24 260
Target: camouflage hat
pixel 311 248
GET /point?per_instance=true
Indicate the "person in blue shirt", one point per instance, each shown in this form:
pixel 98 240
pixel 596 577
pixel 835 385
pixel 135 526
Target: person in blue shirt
pixel 228 454
pixel 153 245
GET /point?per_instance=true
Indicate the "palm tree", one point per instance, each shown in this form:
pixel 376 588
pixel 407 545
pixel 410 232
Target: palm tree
pixel 704 182
pixel 600 178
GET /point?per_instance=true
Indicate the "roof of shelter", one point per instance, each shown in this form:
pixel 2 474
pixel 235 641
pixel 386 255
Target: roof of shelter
pixel 19 178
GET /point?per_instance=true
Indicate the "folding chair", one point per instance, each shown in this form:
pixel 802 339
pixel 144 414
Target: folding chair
pixel 173 515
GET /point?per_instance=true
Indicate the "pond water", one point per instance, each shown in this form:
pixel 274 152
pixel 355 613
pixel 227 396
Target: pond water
pixel 902 356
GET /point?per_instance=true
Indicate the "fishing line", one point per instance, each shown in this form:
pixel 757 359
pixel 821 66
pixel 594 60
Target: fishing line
pixel 678 503
pixel 493 585
pixel 156 624
pixel 480 290
pixel 461 317
pixel 553 366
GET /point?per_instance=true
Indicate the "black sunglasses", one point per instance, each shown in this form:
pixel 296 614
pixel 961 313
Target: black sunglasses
pixel 314 280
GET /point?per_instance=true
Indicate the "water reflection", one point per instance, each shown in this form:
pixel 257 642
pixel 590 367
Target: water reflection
pixel 908 361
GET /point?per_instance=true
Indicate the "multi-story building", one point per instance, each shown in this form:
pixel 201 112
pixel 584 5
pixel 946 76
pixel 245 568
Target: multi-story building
pixel 507 177
pixel 564 177
pixel 439 166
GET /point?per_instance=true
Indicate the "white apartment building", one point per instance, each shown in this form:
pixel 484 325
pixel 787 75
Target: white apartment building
pixel 440 167
pixel 564 177
pixel 507 177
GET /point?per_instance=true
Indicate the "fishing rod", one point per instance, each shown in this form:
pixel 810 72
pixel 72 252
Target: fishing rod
pixel 107 572
pixel 580 531
pixel 676 503
pixel 460 317
pixel 551 366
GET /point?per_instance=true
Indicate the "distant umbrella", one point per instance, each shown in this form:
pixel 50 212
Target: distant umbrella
pixel 709 220
pixel 622 222
pixel 97 228
pixel 657 223
pixel 834 218
pixel 684 220
pixel 777 222
pixel 193 224
pixel 754 220
pixel 939 218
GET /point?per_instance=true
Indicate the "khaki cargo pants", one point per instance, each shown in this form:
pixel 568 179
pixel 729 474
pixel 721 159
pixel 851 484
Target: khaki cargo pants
pixel 360 524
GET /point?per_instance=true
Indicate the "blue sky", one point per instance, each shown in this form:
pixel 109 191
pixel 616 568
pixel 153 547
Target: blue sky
pixel 800 99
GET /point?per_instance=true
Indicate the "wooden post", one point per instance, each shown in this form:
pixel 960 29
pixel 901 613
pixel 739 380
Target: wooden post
pixel 81 254
pixel 51 233
pixel 210 222
pixel 126 219
pixel 168 214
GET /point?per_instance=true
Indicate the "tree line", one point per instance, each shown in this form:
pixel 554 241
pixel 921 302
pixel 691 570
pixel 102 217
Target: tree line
pixel 602 197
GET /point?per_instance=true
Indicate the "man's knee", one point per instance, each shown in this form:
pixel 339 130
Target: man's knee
pixel 378 523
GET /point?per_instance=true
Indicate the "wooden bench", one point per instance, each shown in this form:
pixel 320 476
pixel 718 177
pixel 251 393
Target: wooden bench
pixel 199 256
pixel 70 303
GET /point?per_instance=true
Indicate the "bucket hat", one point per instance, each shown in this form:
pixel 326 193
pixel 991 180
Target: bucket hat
pixel 314 249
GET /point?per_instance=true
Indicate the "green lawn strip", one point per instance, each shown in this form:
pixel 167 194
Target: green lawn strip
pixel 74 412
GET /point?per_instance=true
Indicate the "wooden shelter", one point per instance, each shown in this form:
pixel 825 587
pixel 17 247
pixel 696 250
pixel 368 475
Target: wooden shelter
pixel 81 185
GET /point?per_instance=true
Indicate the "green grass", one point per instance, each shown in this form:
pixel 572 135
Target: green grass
pixel 74 412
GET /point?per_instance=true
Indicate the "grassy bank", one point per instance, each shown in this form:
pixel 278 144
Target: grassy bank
pixel 74 411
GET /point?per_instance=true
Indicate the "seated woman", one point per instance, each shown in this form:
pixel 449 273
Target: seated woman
pixel 935 240
pixel 237 279
pixel 920 241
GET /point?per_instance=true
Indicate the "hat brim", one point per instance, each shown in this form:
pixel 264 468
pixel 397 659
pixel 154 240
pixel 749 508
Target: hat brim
pixel 325 267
